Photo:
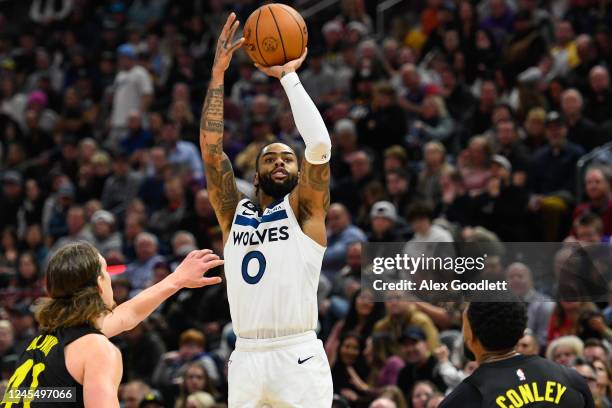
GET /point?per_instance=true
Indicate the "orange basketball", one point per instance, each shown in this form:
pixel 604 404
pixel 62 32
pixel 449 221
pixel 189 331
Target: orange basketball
pixel 274 34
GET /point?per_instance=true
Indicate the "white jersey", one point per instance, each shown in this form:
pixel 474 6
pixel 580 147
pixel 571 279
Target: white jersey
pixel 272 271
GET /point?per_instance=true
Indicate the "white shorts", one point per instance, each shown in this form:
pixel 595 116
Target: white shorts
pixel 282 372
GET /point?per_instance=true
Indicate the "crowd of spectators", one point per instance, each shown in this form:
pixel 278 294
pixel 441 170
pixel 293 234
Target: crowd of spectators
pixel 459 120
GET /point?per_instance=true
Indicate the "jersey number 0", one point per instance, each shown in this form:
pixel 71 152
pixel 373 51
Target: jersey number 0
pixel 261 261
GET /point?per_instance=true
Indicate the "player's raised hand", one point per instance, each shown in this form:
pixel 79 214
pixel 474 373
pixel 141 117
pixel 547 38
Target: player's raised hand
pixel 279 71
pixel 190 272
pixel 226 44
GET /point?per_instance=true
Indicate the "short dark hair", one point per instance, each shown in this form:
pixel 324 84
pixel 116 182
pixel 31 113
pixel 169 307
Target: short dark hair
pixel 498 325
pixel 263 148
pixel 589 219
pixel 420 210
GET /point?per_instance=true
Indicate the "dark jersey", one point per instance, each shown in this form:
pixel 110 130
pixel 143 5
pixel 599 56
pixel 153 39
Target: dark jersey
pixel 43 365
pixel 521 381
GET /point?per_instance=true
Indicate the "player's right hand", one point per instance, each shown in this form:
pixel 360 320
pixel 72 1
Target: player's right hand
pixel 190 272
pixel 226 45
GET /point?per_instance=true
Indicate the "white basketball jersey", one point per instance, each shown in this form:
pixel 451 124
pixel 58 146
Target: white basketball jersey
pixel 272 271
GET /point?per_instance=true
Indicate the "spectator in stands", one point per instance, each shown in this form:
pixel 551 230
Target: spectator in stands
pixel 421 393
pixel 168 218
pixel 12 193
pixel 152 186
pixel 565 350
pixel 594 349
pixel 384 125
pixel 348 190
pixel 318 77
pixel 534 127
pixel 508 144
pixel 588 372
pixel 195 380
pixel 539 306
pixel 599 95
pixel 420 362
pixel 133 393
pixel 140 272
pixel 344 145
pixel 588 229
pixel 580 130
pixel 7 343
pixel 201 220
pixel 474 163
pixel 553 177
pixel 434 160
pixel 597 181
pixel 478 120
pixel 121 187
pixel 401 314
pixel 362 314
pixel 141 348
pixel 77 228
pixel 420 216
pixel 399 189
pixel 386 225
pixel 174 364
pixel 181 153
pixel 350 369
pixel 133 90
pixel 385 364
pixel 341 233
pixel 528 344
pixel 434 123
pixel 136 138
pixel 21 317
pixel 104 236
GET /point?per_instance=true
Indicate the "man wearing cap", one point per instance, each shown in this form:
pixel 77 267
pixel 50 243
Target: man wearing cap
pixel 553 177
pixel 421 364
pixel 105 237
pixel 386 225
pixel 133 90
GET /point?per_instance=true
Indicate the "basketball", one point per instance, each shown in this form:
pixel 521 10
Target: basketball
pixel 274 34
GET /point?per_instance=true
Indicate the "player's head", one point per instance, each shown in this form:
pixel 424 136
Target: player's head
pixel 79 288
pixel 276 170
pixel 494 326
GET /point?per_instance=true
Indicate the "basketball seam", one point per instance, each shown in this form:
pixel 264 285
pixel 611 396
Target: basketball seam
pixel 298 24
pixel 257 38
pixel 280 35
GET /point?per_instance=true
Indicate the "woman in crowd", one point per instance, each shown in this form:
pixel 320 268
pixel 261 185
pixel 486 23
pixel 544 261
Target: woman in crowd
pixel 195 379
pixel 362 315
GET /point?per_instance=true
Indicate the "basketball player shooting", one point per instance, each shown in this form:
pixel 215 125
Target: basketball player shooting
pixel 273 247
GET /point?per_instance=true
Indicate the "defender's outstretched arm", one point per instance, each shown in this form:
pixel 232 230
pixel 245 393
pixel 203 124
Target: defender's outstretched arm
pixel 222 189
pixel 312 192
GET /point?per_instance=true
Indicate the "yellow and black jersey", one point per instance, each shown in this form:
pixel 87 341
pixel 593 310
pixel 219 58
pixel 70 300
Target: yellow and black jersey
pixel 41 373
pixel 521 381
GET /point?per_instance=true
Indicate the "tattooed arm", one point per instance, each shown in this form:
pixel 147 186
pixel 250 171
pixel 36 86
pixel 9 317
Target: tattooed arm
pixel 224 195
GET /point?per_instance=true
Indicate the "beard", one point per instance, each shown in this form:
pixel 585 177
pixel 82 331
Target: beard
pixel 277 189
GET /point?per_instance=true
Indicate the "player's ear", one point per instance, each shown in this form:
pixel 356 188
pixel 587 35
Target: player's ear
pixel 256 179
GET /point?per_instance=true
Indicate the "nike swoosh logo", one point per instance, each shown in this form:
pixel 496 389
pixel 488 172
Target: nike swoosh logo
pixel 300 361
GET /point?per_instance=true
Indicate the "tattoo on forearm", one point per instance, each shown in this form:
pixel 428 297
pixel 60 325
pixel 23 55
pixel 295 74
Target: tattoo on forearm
pixel 224 194
pixel 212 111
pixel 215 148
pixel 316 176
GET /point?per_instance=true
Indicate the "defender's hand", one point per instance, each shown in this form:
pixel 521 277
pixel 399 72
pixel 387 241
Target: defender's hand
pixel 279 71
pixel 226 45
pixel 190 273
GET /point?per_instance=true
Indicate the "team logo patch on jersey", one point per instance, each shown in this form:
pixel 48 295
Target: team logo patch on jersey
pixel 521 375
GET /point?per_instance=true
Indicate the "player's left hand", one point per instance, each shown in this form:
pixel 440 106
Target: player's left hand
pixel 279 71
pixel 190 272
